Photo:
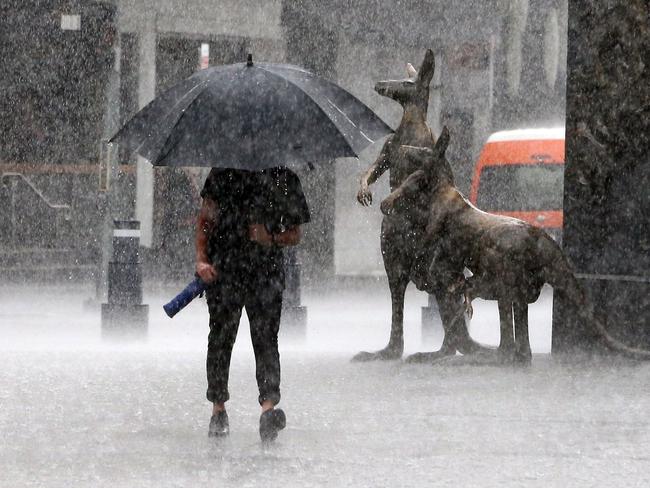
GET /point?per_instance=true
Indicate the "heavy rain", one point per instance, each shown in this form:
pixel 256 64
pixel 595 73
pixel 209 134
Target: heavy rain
pixel 324 243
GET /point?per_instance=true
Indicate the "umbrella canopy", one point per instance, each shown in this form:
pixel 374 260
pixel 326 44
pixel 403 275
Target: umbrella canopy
pixel 251 116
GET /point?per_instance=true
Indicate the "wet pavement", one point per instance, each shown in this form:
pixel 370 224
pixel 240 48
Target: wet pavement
pixel 76 411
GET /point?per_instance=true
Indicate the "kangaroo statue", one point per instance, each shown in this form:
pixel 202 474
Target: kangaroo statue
pixel 399 237
pixel 510 260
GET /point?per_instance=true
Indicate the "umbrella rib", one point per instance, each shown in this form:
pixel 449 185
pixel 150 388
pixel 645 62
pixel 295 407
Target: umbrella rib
pixel 314 102
pixel 160 157
pixel 349 120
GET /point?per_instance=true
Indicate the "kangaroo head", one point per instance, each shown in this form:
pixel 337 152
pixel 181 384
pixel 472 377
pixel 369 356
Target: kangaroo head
pixel 414 89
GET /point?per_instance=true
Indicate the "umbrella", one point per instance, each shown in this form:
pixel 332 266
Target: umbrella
pixel 251 116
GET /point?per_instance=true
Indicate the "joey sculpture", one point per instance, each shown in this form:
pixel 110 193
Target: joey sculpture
pixel 510 260
pixel 399 236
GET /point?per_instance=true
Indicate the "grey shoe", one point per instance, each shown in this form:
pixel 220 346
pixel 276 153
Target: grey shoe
pixel 271 422
pixel 219 426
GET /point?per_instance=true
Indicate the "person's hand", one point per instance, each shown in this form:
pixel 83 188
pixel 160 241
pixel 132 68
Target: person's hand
pixel 206 271
pixel 258 233
pixel 364 196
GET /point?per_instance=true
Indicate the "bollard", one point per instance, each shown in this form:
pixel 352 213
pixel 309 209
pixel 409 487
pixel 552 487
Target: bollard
pixel 124 316
pixel 294 316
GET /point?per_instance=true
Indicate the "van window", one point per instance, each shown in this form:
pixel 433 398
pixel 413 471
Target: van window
pixel 521 187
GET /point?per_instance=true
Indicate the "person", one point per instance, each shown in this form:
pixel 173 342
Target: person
pixel 246 218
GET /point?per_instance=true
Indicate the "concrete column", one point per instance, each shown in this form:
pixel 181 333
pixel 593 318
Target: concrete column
pixel 517 16
pixel 107 195
pixel 606 177
pixel 146 93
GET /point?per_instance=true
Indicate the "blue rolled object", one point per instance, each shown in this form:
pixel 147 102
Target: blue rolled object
pixel 189 293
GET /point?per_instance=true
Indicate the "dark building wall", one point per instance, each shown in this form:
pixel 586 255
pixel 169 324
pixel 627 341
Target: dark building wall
pixel 607 176
pixel 54 80
pixel 53 106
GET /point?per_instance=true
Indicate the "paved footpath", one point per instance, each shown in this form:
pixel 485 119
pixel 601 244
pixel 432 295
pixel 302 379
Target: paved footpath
pixel 78 412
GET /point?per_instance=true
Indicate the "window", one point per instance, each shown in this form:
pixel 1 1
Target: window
pixel 521 187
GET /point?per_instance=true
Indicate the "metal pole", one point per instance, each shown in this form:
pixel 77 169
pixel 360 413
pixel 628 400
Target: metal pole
pixel 108 169
pixel 294 316
pixel 146 92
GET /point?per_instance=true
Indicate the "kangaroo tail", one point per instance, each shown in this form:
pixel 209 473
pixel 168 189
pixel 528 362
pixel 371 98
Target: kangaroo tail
pixel 560 276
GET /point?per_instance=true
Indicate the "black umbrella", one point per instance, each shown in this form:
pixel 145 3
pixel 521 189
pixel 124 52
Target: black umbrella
pixel 251 116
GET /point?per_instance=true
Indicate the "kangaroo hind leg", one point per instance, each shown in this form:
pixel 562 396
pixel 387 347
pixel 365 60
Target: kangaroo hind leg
pixel 507 343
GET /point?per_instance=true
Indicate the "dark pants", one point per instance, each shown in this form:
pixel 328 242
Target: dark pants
pixel 261 294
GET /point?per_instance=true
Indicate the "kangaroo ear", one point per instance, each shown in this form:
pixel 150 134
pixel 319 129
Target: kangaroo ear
pixel 442 143
pixel 411 71
pixel 425 75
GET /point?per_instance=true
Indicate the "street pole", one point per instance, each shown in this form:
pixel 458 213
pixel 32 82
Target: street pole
pixel 294 315
pixel 108 171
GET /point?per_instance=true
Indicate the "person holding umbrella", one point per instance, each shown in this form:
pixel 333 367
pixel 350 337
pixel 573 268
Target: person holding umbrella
pixel 246 218
pixel 250 122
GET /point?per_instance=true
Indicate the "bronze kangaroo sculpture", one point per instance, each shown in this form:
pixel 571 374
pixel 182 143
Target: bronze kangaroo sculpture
pixel 399 237
pixel 510 259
